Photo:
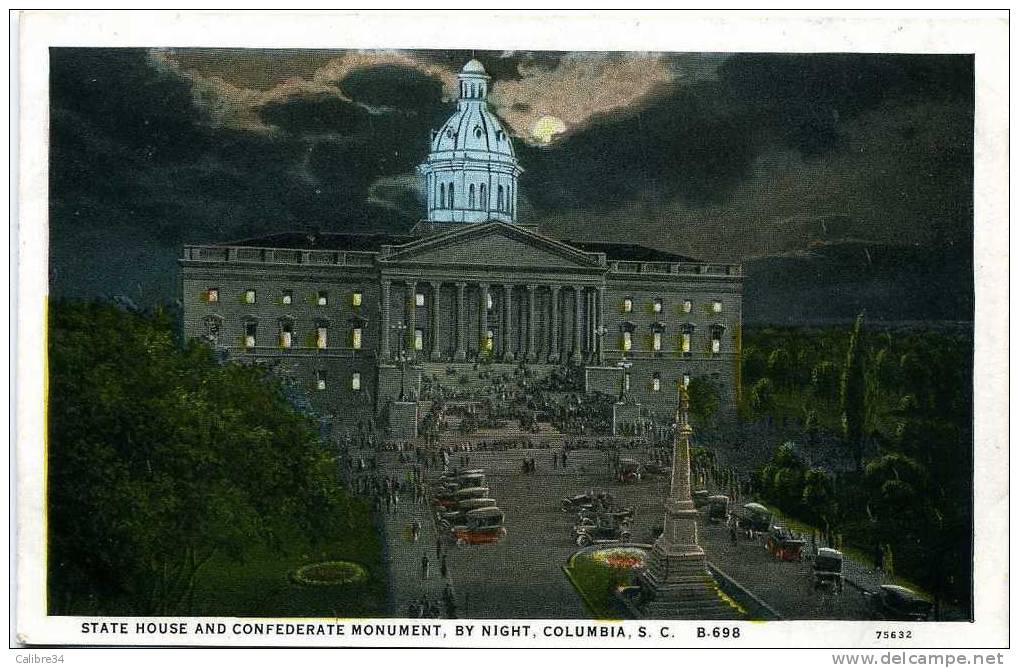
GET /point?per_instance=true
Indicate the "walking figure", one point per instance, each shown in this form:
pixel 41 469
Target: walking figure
pixel 424 566
pixel 415 530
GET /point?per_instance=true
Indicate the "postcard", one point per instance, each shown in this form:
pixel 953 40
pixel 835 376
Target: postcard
pixel 512 330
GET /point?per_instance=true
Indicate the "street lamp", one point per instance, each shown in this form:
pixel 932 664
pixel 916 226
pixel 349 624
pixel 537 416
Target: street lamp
pixel 601 331
pixel 623 365
pixel 402 358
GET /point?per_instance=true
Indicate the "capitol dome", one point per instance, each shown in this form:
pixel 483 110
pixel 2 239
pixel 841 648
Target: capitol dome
pixel 471 170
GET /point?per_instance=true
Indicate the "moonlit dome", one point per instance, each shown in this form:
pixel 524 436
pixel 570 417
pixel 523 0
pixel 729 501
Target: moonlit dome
pixel 471 170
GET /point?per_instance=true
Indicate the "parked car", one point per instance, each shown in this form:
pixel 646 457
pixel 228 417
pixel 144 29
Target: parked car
pixel 630 470
pixel 618 515
pixel 718 508
pixel 900 604
pixel 587 500
pixel 828 569
pixel 459 511
pixel 784 545
pixel 657 468
pixel 590 534
pixel 754 517
pixel 483 525
pixel 449 500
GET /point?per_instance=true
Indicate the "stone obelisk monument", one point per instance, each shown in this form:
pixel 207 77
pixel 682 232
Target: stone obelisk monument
pixel 676 560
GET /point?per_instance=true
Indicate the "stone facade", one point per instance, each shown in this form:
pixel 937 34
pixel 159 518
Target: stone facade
pixel 349 327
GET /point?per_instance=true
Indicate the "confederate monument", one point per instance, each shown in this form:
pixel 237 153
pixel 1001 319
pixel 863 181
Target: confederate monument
pixel 676 583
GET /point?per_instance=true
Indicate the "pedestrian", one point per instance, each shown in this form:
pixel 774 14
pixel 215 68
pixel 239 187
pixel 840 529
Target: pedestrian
pixel 424 566
pixel 415 530
pixel 438 547
pixel 443 569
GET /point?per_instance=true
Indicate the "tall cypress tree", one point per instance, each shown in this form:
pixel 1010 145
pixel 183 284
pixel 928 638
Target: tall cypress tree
pixel 854 394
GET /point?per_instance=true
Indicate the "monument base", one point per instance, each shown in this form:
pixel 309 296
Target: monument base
pixel 678 585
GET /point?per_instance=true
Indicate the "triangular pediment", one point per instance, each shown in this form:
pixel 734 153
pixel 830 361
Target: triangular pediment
pixel 490 244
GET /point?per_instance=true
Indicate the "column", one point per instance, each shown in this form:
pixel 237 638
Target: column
pixel 531 353
pixel 600 315
pixel 384 324
pixel 588 326
pixel 411 319
pixel 553 353
pixel 578 327
pixel 483 323
pixel 461 349
pixel 436 287
pixel 507 323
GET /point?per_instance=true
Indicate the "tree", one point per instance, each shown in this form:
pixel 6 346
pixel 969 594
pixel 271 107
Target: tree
pixel 854 395
pixel 160 458
pixel 704 400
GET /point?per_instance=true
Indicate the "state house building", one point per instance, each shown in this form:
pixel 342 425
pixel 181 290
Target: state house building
pixel 353 320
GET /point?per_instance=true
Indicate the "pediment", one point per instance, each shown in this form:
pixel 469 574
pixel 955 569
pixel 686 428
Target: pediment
pixel 491 244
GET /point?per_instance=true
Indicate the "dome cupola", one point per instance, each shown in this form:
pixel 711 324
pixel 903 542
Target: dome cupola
pixel 471 170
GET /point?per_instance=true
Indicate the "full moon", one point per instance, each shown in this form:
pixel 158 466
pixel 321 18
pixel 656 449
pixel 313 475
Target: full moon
pixel 546 127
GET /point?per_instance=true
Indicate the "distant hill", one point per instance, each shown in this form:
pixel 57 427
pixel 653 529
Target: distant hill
pixel 833 283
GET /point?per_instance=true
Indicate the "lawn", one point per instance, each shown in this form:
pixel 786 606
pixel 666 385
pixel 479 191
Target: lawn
pixel 595 582
pixel 262 585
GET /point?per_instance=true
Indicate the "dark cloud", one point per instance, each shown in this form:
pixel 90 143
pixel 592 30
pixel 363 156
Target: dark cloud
pixel 737 157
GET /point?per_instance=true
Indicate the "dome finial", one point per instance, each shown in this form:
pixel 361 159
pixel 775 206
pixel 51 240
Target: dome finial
pixel 473 66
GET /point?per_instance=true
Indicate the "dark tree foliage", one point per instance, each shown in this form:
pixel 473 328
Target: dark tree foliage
pixel 160 458
pixel 854 395
pixel 905 393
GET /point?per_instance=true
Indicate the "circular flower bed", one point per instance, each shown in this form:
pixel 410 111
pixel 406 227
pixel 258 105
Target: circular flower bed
pixel 620 557
pixel 330 573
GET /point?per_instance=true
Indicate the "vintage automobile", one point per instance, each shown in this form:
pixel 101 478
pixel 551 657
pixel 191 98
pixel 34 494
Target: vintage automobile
pixel 459 511
pixel 718 508
pixel 784 545
pixel 657 468
pixel 616 515
pixel 479 526
pixel 754 517
pixel 828 569
pixel 450 499
pixel 700 498
pixel 899 603
pixel 587 501
pixel 630 470
pixel 607 532
pixel 470 478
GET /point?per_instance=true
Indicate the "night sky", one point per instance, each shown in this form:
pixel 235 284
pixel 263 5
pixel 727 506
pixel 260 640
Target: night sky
pixel 841 181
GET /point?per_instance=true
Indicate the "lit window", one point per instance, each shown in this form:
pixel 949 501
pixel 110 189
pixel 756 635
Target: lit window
pixel 419 299
pixel 657 306
pixel 656 341
pixel 656 382
pixel 686 380
pixel 627 305
pixel 685 343
pixel 716 345
pixel 489 339
pixel 288 296
pixel 419 339
pixel 320 380
pixel 322 337
pixel 626 381
pixel 687 306
pixel 286 335
pixel 355 381
pixel 250 329
pixel 355 299
pixel 356 339
pixel 249 297
pixel 716 307
pixel 488 301
pixel 627 341
pixel 323 297
pixel 212 295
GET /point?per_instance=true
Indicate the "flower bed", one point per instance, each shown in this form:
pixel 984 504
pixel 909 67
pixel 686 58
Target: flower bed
pixel 329 573
pixel 621 557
